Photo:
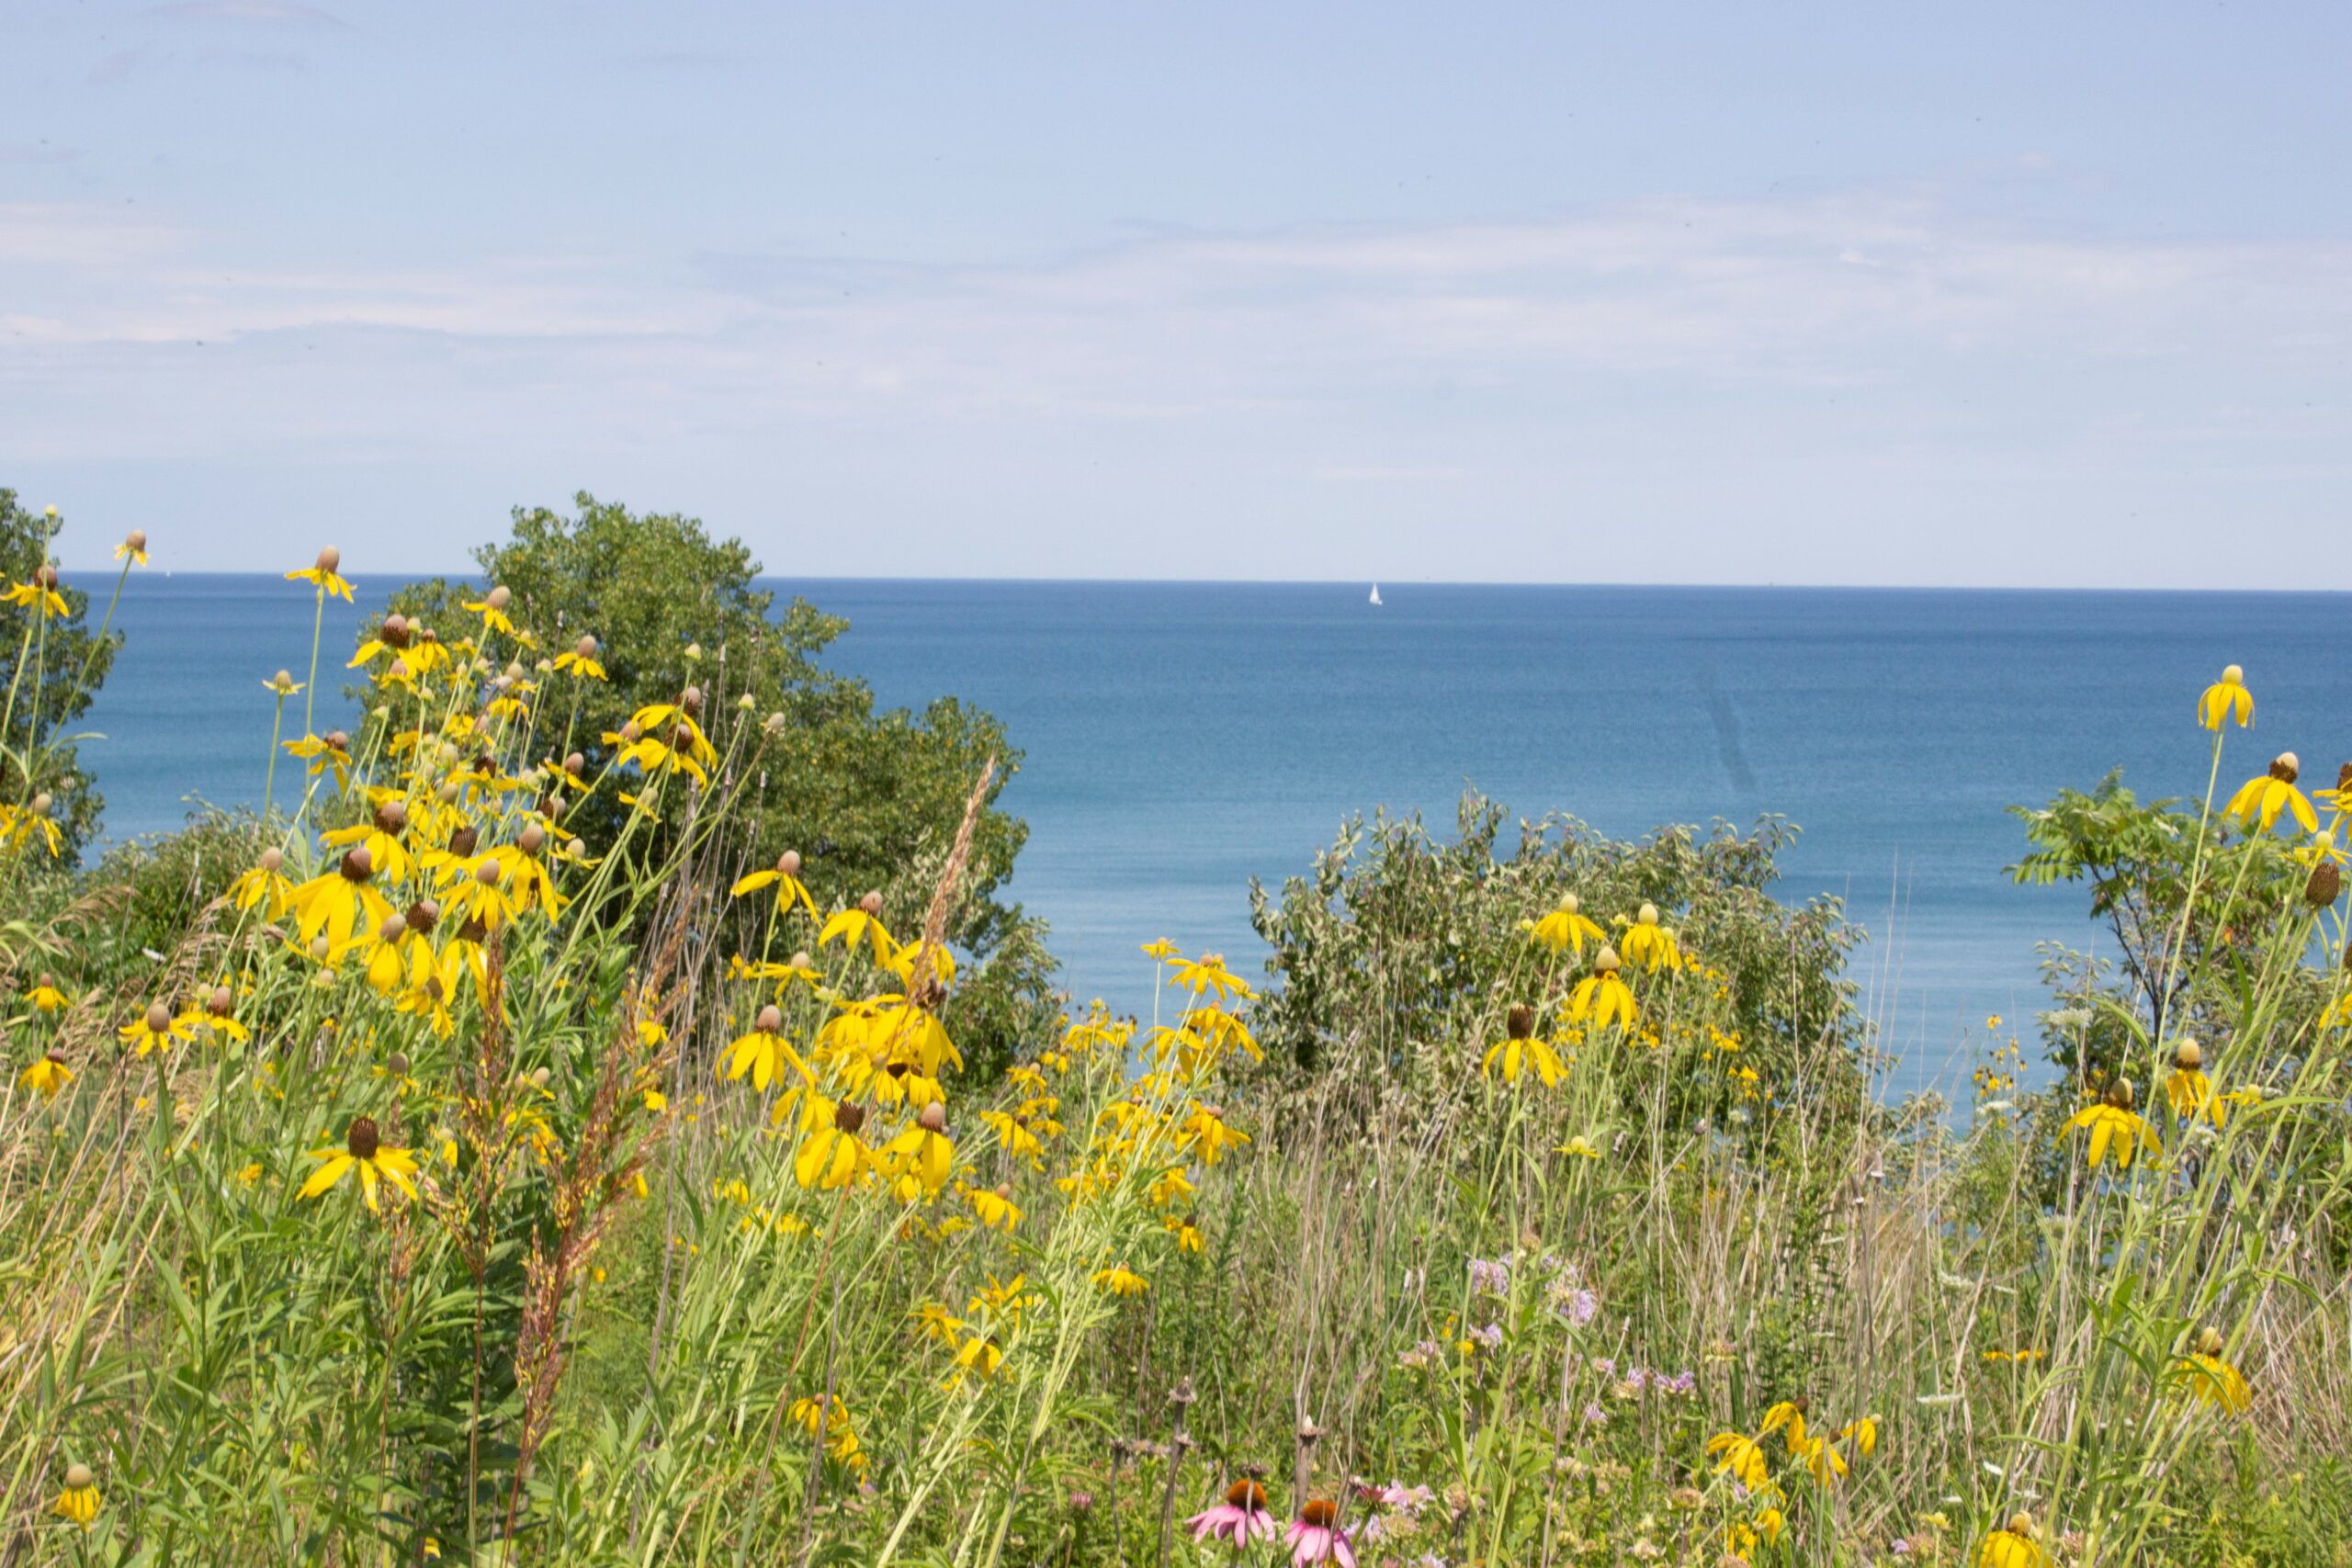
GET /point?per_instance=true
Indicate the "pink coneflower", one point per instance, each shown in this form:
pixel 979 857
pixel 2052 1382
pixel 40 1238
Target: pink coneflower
pixel 1316 1536
pixel 1239 1517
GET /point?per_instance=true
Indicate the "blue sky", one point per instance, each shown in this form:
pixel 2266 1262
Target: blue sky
pixel 1992 294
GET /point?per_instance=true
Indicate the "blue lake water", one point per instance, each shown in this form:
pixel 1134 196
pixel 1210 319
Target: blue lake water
pixel 1181 738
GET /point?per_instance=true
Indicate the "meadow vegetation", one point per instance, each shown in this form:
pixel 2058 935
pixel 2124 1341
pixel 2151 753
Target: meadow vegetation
pixel 597 1112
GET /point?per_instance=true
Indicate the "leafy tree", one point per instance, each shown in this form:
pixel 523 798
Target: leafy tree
pixel 871 799
pixel 2139 859
pixel 50 667
pixel 1392 954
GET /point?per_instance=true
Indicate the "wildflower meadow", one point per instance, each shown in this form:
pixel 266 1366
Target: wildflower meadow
pixel 505 1146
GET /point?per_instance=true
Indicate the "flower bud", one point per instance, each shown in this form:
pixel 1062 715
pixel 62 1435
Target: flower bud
pixel 283 680
pixel 320 947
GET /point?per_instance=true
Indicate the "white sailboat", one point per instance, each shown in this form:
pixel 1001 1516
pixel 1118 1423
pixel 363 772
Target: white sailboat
pixel 1375 593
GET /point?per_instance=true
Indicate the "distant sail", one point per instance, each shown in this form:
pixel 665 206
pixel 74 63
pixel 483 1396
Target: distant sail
pixel 1375 593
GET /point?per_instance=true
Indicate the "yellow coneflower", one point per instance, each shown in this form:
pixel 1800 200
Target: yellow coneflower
pixel 492 608
pixel 45 997
pixel 2188 1091
pixel 765 1052
pixel 364 1150
pixel 2212 1380
pixel 981 1354
pixel 1742 1458
pixel 1520 1049
pixel 581 661
pixel 2226 700
pixel 1187 1232
pixel 1566 929
pixel 1862 1432
pixel 1788 1417
pixel 215 1016
pixel 332 751
pixel 664 738
pixel 924 1150
pixel 326 574
pixel 393 637
pixel 79 1500
pixel 1004 1300
pixel 2115 1127
pixel 1208 973
pixel 996 1207
pixel 265 883
pixel 785 877
pixel 1208 1134
pixel 937 1322
pixel 860 923
pixel 1649 945
pixel 1580 1146
pixel 134 545
pixel 832 1154
pixel 49 1075
pixel 1601 999
pixel 156 1029
pixel 2260 799
pixel 2012 1546
pixel 1120 1280
pixel 341 905
pixel 40 592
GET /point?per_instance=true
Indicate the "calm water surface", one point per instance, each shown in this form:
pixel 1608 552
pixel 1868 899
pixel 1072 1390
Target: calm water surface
pixel 1183 738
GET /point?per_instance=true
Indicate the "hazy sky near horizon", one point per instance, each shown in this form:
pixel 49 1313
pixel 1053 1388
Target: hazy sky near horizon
pixel 2002 294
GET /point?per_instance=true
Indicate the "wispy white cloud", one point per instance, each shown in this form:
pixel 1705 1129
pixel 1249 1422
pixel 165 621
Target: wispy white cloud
pixel 1866 357
pixel 251 13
